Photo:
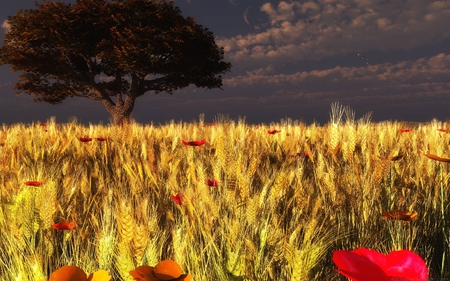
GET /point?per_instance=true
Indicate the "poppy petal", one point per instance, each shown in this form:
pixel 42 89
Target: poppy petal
pixel 68 273
pixel 407 265
pixel 358 267
pixel 100 275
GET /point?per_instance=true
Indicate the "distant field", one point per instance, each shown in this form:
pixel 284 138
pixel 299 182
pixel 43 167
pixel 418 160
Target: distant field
pixel 281 202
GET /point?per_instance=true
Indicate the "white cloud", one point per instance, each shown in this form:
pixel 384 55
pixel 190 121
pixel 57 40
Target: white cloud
pixel 321 29
pixel 6 26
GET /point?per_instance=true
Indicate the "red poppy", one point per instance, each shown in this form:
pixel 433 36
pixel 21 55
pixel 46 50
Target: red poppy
pixel 214 183
pixel 399 215
pixel 443 130
pixel 42 124
pixel 101 139
pixel 302 154
pixel 84 139
pixel 405 130
pixel 369 265
pixel 193 143
pixel 177 198
pixel 273 132
pixel 34 183
pixel 64 225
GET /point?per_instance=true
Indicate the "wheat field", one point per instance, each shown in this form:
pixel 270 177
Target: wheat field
pixel 283 201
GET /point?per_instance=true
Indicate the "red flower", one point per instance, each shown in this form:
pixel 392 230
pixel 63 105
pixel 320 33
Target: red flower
pixel 368 265
pixel 273 132
pixel 302 154
pixel 404 130
pixel 42 124
pixel 64 225
pixel 212 183
pixel 84 139
pixel 193 143
pixel 34 183
pixel 442 130
pixel 177 198
pixel 101 139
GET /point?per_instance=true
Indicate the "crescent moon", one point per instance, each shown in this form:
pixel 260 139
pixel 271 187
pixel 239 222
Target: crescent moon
pixel 245 15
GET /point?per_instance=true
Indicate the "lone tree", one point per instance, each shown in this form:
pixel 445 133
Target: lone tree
pixel 111 51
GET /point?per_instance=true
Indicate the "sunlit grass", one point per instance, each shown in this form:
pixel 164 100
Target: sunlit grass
pixel 283 202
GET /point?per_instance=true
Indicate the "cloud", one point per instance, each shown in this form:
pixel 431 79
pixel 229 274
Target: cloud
pixel 299 31
pixel 423 70
pixel 6 26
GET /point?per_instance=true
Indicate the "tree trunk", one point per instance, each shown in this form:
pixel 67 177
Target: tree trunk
pixel 120 110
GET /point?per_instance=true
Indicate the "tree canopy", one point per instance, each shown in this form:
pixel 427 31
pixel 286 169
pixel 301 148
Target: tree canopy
pixel 111 51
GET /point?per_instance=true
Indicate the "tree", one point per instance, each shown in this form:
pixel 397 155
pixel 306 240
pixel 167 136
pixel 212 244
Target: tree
pixel 111 51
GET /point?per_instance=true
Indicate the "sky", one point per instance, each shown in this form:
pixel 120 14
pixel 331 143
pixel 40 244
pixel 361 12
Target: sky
pixel 290 59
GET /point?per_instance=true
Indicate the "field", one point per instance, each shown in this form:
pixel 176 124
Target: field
pixel 281 202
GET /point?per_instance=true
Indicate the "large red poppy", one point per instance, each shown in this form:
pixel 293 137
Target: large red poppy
pixel 64 225
pixel 369 265
pixel 34 183
pixel 193 143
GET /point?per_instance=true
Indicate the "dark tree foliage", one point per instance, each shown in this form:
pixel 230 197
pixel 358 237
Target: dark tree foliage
pixel 110 51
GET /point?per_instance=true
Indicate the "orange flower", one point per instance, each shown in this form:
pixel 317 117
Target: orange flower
pixel 64 225
pixel 164 270
pixel 34 183
pixel 74 273
pixel 193 143
pixel 399 215
pixel 437 158
pixel 405 130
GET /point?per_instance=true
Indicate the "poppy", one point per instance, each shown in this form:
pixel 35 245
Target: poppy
pixel 74 273
pixel 273 132
pixel 193 143
pixel 177 198
pixel 369 265
pixel 399 215
pixel 210 124
pixel 302 154
pixel 164 270
pixel 42 124
pixel 405 130
pixel 84 139
pixel 34 183
pixel 64 225
pixel 437 158
pixel 214 183
pixel 101 139
pixel 442 130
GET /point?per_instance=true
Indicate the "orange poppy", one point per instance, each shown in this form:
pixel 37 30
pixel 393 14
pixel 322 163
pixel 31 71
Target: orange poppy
pixel 437 158
pixel 164 270
pixel 193 143
pixel 84 139
pixel 34 183
pixel 400 215
pixel 74 273
pixel 64 225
